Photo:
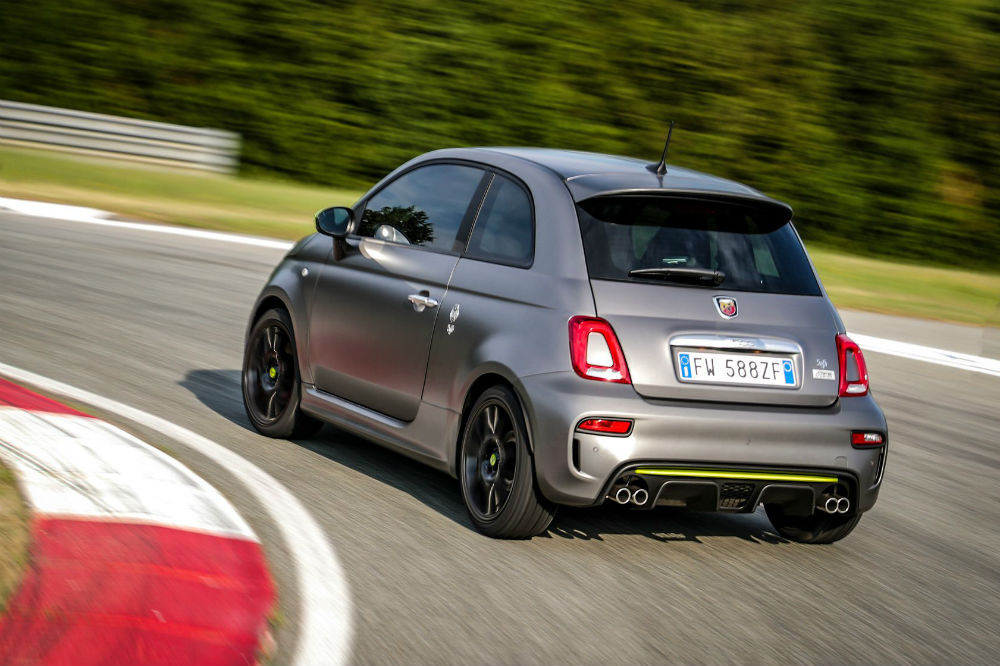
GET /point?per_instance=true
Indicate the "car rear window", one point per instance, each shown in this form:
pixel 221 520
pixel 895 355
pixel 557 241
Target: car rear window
pixel 753 247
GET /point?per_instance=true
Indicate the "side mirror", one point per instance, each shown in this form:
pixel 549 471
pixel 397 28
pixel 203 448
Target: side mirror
pixel 334 221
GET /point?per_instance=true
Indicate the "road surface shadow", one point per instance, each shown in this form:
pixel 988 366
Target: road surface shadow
pixel 219 390
pixel 665 524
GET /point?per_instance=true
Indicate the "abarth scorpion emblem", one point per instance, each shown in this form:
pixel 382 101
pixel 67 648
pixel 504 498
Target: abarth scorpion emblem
pixel 452 318
pixel 726 306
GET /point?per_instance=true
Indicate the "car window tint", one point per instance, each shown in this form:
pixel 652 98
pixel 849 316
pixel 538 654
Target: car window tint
pixel 422 207
pixel 754 247
pixel 504 231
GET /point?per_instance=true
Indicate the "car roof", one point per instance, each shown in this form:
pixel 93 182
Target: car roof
pixel 594 174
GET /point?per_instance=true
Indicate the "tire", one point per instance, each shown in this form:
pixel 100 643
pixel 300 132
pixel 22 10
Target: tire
pixel 271 384
pixel 496 472
pixel 818 528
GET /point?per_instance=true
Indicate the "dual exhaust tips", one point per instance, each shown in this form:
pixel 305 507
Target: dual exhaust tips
pixel 638 496
pixel 831 504
pixel 626 494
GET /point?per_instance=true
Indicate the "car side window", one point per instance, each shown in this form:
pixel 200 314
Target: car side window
pixel 422 207
pixel 504 231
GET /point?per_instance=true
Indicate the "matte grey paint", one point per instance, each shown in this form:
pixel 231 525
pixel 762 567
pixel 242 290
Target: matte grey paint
pixel 367 341
pixel 373 365
pixel 647 317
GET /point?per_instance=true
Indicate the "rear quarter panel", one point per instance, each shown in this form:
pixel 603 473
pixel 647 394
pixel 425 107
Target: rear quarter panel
pixel 513 321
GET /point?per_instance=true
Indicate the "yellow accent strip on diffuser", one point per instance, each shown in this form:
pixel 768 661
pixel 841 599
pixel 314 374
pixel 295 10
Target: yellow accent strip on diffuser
pixel 749 476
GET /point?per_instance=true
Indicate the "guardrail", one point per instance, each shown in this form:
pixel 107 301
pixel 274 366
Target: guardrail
pixel 120 138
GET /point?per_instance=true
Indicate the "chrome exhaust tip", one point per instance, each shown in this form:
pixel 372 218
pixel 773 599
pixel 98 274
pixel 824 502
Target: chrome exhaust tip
pixel 829 505
pixel 623 495
pixel 640 496
pixel 843 505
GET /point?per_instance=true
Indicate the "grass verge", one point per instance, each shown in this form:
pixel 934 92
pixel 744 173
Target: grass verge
pixel 176 196
pixel 14 536
pixel 862 283
pixel 285 210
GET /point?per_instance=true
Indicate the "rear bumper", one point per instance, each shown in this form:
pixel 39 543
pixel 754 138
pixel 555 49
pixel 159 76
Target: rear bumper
pixel 577 468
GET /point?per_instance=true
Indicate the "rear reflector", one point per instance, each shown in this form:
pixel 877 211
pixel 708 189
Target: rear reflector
pixel 595 352
pixel 606 426
pixel 866 439
pixel 853 370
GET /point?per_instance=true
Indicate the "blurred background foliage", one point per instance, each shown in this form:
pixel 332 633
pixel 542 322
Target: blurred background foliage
pixel 878 121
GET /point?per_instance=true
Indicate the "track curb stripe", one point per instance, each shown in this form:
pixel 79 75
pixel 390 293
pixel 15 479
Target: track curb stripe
pixel 325 613
pixel 92 596
pixel 134 558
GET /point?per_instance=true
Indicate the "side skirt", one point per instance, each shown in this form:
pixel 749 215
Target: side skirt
pixel 429 438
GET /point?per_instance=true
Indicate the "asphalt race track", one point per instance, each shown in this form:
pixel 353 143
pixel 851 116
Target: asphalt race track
pixel 156 322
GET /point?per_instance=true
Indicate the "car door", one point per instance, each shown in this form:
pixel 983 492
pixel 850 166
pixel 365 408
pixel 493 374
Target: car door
pixel 376 305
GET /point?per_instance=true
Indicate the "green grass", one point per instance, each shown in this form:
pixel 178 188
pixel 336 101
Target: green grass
pixel 285 210
pixel 189 198
pixel 862 283
pixel 13 536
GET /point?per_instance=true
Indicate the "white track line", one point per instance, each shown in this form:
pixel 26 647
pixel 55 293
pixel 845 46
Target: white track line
pixel 987 366
pixel 325 630
pixel 57 211
pixel 94 216
pixel 908 350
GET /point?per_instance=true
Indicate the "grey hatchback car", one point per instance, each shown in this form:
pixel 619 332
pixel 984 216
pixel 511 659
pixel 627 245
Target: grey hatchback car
pixel 565 328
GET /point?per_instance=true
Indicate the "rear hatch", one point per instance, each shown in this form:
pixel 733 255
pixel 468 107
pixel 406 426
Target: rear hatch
pixel 712 298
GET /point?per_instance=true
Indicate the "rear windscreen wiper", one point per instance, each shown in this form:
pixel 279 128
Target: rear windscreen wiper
pixel 702 276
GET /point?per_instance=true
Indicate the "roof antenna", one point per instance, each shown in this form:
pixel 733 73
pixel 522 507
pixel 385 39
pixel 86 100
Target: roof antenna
pixel 661 167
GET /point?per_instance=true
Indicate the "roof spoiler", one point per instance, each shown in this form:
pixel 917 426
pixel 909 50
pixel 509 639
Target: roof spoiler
pixel 759 202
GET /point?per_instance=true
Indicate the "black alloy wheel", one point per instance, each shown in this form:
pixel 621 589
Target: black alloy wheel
pixel 491 459
pixel 496 470
pixel 271 379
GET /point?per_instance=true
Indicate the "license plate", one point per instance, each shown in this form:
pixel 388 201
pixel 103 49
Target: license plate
pixel 747 369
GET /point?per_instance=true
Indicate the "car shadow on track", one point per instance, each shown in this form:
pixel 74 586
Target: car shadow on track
pixel 660 524
pixel 219 390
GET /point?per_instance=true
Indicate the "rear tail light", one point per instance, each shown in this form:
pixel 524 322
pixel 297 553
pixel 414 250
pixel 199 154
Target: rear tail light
pixel 595 352
pixel 606 426
pixel 853 371
pixel 866 439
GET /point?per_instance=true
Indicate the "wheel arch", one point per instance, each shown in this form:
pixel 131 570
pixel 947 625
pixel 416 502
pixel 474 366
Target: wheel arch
pixel 267 302
pixel 486 378
pixel 274 297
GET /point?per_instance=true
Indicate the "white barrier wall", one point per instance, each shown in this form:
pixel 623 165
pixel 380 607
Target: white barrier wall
pixel 116 137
